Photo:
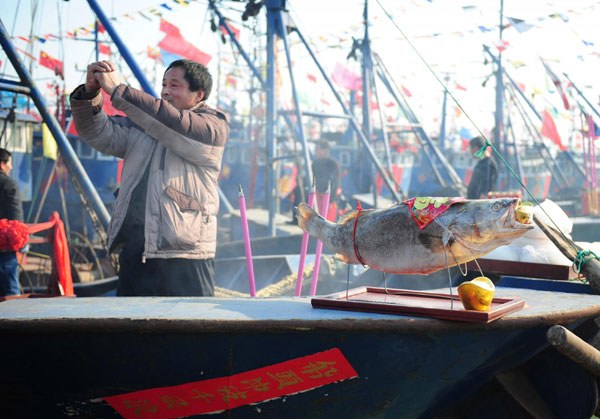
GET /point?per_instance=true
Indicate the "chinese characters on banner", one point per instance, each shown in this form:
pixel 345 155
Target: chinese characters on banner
pixel 218 394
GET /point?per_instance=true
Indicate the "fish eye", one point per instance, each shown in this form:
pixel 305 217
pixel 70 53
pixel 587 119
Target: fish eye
pixel 497 206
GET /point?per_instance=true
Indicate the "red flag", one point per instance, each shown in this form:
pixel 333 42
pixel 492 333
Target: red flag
pixel 103 48
pixel 176 44
pixel 101 28
pixel 311 78
pixel 167 27
pixel 549 130
pixel 406 91
pixel 558 84
pixel 236 31
pixel 459 87
pixel 51 63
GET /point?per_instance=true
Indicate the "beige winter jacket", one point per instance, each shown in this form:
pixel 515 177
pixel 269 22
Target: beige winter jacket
pixel 184 150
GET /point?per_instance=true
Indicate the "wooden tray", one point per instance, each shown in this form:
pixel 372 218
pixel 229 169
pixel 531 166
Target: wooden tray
pixel 415 303
pixel 527 269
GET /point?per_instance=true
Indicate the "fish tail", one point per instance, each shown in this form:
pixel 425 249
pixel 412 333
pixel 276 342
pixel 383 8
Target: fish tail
pixel 306 216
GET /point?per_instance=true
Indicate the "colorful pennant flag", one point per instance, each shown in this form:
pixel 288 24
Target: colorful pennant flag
pixel 558 84
pixel 230 81
pixel 311 78
pixel 236 31
pixel 519 24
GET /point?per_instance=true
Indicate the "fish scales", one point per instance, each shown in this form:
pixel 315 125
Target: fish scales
pixel 391 241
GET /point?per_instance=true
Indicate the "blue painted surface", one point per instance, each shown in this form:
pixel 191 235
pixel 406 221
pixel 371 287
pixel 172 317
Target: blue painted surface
pixel 407 367
pixel 545 285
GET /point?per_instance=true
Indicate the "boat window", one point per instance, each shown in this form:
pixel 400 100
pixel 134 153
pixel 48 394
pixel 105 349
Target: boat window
pixel 344 157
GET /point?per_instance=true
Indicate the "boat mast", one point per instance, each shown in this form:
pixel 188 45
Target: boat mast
pixel 499 122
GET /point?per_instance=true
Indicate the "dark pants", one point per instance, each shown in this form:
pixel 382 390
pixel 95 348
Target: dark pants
pixel 164 277
pixel 9 268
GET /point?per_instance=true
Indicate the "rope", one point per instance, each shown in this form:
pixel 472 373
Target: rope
pixel 359 208
pixel 581 259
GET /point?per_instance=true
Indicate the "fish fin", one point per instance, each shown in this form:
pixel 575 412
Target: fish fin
pixel 350 215
pixel 305 214
pixel 433 243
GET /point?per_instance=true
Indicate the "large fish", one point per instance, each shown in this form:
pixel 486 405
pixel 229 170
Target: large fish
pixel 390 240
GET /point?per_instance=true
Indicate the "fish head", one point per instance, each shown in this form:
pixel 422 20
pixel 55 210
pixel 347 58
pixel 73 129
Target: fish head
pixel 481 225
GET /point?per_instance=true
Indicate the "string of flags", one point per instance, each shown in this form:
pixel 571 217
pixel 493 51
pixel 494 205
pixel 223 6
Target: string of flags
pixel 90 29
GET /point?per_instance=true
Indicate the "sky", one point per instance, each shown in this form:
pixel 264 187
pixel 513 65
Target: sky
pixel 421 38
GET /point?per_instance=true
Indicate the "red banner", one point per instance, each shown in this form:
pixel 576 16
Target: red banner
pixel 250 387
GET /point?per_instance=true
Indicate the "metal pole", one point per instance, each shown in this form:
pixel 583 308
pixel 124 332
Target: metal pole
pixel 300 129
pixel 273 6
pixel 443 125
pixel 499 120
pixel 68 155
pixel 582 95
pixel 223 22
pixel 353 122
pixel 137 71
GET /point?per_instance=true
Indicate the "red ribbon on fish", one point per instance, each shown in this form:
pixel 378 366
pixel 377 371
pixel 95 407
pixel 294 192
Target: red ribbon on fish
pixel 426 209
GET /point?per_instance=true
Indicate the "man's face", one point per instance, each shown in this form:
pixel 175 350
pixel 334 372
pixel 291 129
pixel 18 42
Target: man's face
pixel 321 153
pixel 176 90
pixel 6 167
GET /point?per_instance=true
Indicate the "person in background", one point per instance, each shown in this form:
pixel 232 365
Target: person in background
pixel 326 171
pixel 485 173
pixel 165 214
pixel 10 209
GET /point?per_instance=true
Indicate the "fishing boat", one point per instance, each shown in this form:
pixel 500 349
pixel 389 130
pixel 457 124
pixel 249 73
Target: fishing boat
pixel 144 357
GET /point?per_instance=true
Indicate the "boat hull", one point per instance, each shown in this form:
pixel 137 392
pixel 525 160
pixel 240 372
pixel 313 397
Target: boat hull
pixel 66 355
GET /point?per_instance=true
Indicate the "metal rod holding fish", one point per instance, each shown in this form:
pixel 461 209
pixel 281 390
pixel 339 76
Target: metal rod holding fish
pixel 319 250
pixel 247 247
pixel 304 248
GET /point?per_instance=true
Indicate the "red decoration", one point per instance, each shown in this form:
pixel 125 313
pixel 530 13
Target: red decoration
pixel 13 235
pixel 216 394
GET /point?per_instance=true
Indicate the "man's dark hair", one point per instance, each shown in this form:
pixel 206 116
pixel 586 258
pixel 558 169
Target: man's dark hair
pixel 195 74
pixel 477 142
pixel 4 155
pixel 323 144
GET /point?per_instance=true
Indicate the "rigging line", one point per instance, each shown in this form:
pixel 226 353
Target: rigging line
pixel 12 33
pixel 431 69
pixel 473 122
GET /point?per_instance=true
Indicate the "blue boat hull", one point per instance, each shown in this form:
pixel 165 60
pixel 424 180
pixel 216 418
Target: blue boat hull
pixel 65 355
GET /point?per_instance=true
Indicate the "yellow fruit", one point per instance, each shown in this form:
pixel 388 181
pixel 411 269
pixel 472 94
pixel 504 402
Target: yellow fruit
pixel 524 213
pixel 477 294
